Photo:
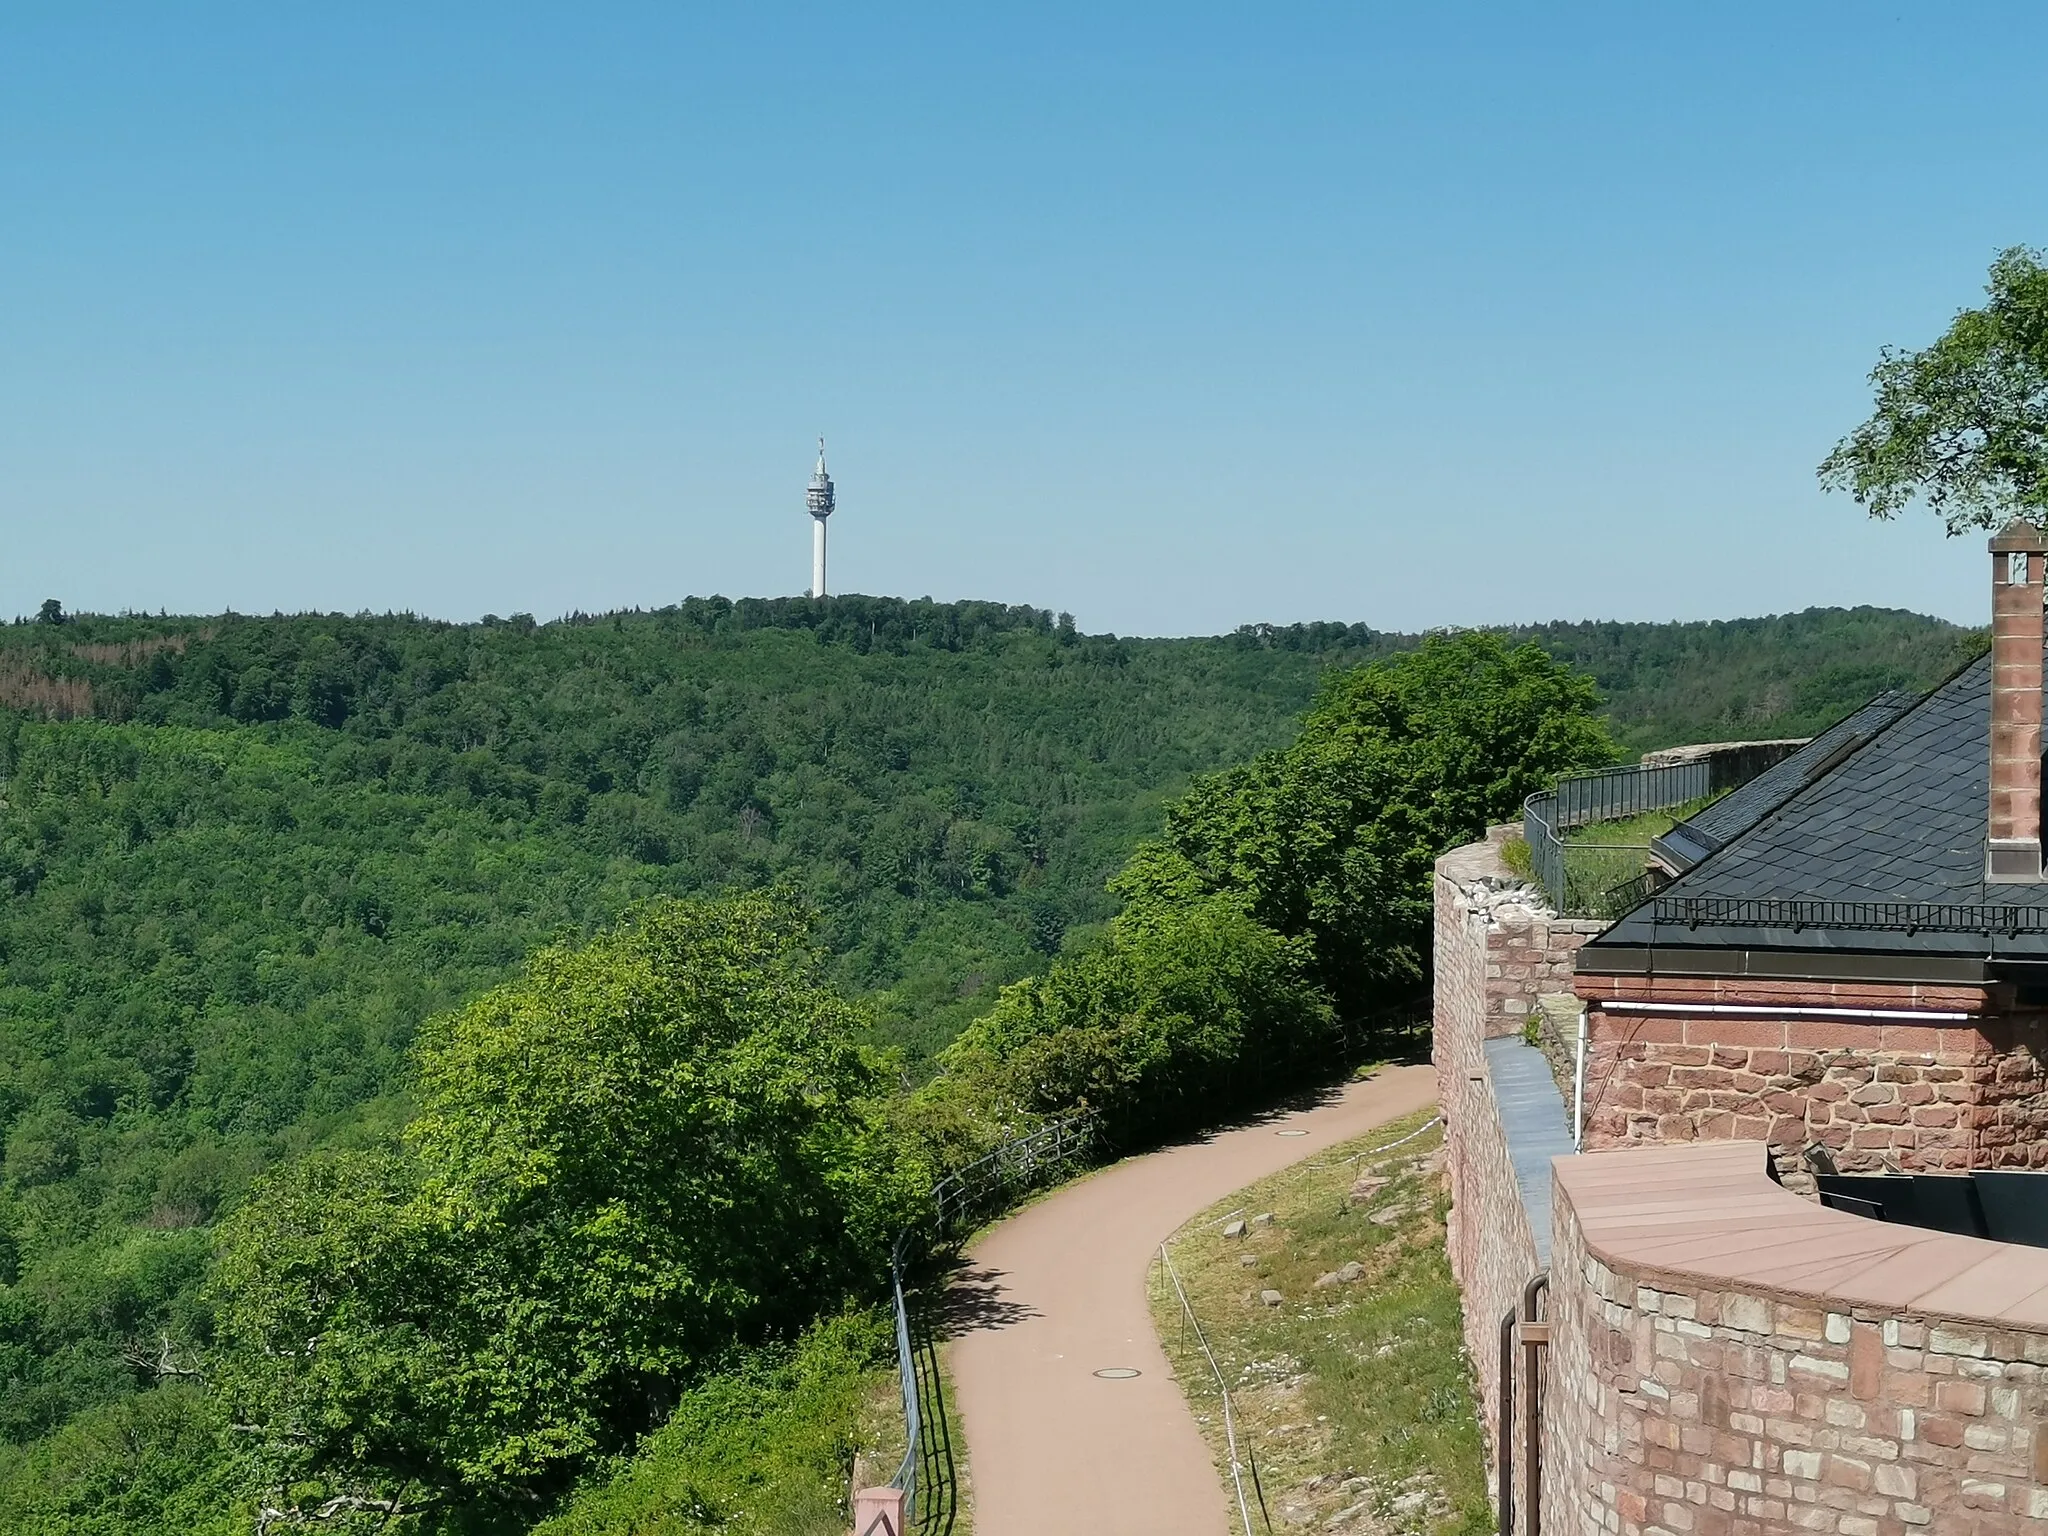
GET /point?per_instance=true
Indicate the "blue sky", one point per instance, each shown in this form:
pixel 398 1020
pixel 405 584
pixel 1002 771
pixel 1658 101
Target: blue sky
pixel 1173 317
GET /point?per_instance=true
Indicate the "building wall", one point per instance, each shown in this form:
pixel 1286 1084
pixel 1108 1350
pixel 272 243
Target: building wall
pixel 1689 1406
pixel 1913 1094
pixel 1679 1406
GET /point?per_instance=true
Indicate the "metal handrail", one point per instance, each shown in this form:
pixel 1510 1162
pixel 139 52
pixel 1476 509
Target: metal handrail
pixel 1889 916
pixel 1011 1165
pixel 913 1416
pixel 1612 794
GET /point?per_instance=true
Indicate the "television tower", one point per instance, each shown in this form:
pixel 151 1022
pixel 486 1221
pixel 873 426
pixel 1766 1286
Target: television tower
pixel 819 499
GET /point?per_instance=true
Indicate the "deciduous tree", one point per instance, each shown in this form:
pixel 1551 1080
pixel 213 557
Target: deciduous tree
pixel 1963 423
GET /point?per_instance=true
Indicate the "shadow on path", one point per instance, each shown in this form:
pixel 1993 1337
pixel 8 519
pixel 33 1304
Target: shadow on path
pixel 975 1301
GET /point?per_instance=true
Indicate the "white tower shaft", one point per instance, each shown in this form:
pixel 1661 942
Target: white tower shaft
pixel 820 502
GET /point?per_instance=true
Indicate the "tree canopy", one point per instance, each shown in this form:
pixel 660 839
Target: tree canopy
pixel 1963 422
pixel 1330 839
pixel 644 1151
pixel 243 861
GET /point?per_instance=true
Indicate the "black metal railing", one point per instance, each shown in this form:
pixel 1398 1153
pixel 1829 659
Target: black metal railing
pixel 1615 794
pixel 1014 1166
pixel 1604 879
pixel 1888 916
pixel 909 1475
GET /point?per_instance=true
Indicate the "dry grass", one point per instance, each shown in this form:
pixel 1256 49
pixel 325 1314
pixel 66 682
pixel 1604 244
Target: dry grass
pixel 1354 1399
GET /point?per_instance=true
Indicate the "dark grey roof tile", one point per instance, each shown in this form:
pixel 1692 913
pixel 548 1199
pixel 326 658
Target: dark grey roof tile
pixel 1901 819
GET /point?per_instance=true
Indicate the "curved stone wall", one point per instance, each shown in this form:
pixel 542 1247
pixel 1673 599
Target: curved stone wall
pixel 1728 1359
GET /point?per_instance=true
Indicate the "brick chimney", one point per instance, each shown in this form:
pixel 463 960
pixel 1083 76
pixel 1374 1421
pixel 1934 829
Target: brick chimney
pixel 2012 851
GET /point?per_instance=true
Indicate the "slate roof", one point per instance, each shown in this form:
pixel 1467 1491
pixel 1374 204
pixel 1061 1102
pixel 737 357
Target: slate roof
pixel 1882 853
pixel 1737 811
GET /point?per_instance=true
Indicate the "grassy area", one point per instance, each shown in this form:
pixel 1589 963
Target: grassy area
pixel 1636 831
pixel 1353 1397
pixel 956 1518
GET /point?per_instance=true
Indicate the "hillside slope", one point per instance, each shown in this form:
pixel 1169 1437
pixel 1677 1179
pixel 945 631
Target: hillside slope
pixel 242 858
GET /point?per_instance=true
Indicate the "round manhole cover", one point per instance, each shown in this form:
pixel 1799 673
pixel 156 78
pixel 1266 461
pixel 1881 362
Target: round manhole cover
pixel 1117 1373
pixel 1290 1133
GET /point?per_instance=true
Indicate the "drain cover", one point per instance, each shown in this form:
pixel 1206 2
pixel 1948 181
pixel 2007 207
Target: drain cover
pixel 1290 1133
pixel 1117 1373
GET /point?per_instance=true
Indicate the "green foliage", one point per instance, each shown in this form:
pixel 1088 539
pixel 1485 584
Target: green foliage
pixel 762 1446
pixel 1750 679
pixel 1331 839
pixel 242 859
pixel 146 1465
pixel 1182 1013
pixel 218 936
pixel 1963 422
pixel 642 1151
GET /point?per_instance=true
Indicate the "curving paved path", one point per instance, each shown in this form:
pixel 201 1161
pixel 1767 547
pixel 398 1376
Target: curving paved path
pixel 1058 1292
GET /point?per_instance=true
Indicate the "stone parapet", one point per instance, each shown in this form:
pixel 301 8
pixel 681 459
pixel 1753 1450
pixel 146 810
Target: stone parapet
pixel 1497 948
pixel 1726 1359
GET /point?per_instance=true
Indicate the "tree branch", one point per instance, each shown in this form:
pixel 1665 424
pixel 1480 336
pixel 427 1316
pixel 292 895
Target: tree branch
pixel 163 1364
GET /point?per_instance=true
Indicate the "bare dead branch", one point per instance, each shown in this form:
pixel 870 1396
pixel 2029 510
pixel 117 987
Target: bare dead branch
pixel 163 1364
pixel 272 1517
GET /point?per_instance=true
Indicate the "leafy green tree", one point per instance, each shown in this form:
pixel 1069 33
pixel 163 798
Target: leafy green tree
pixel 1963 422
pixel 146 1465
pixel 1182 1012
pixel 642 1151
pixel 1332 839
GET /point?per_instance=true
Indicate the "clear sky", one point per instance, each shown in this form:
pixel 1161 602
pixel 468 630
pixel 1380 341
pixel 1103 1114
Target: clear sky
pixel 1176 317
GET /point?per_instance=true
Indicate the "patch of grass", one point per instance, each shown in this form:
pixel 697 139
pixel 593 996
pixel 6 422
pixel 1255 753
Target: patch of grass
pixel 1515 854
pixel 1354 1398
pixel 1636 831
pixel 961 1520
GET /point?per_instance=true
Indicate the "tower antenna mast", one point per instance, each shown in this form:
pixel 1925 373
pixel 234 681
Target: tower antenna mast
pixel 819 500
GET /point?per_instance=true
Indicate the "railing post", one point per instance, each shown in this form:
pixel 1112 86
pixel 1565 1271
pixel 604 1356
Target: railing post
pixel 880 1512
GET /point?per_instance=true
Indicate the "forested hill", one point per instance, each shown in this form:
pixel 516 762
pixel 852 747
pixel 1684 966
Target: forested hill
pixel 1728 679
pixel 242 858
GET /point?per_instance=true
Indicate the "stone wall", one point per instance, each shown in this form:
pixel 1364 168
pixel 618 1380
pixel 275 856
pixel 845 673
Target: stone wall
pixel 1506 947
pixel 1734 762
pixel 1497 948
pixel 1964 1094
pixel 1691 1388
pixel 1697 1385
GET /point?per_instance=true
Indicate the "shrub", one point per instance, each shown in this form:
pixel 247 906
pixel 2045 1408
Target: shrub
pixel 1181 1013
pixel 642 1152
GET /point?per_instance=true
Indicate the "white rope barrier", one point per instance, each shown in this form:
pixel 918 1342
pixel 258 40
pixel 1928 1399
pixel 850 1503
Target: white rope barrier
pixel 1229 1421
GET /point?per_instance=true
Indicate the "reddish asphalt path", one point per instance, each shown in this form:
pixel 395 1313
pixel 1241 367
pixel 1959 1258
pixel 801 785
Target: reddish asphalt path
pixel 1057 1293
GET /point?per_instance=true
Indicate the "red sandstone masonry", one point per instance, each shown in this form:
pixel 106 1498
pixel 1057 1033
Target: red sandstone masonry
pixel 1740 1417
pixel 1919 1096
pixel 1699 1387
pixel 1497 950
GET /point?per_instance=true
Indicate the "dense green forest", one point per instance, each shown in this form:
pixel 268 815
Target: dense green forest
pixel 243 859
